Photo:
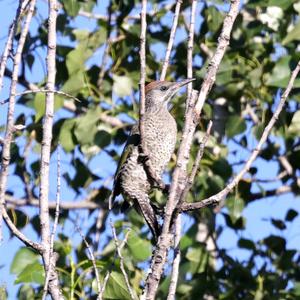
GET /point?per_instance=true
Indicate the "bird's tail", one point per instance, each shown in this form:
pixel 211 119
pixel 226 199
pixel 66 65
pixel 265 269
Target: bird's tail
pixel 144 206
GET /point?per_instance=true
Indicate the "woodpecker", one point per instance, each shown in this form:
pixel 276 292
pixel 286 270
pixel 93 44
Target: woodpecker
pixel 160 133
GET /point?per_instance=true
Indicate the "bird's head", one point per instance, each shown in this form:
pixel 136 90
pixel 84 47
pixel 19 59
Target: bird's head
pixel 159 93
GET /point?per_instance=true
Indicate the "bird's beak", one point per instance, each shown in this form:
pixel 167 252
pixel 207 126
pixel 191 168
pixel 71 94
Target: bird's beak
pixel 177 85
pixel 184 82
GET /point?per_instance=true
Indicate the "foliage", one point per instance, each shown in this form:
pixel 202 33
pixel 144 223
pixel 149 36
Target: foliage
pixel 263 50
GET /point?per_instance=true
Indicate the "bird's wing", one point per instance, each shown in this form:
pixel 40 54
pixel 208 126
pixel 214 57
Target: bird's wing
pixel 132 141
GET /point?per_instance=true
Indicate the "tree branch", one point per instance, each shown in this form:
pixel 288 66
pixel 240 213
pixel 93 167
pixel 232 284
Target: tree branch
pixel 49 264
pixel 11 110
pixel 171 41
pixel 215 199
pixel 9 42
pixel 179 174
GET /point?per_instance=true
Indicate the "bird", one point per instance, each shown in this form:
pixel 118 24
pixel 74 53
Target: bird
pixel 160 134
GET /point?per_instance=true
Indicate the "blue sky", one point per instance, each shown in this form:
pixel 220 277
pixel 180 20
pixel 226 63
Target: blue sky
pixel 257 213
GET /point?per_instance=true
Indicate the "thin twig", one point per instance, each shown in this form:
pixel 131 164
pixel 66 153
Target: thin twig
pixel 122 267
pixel 107 275
pixel 176 260
pixel 17 233
pixel 9 42
pixel 171 40
pixel 92 258
pixel 215 199
pixel 56 217
pixel 11 110
pixel 223 42
pixel 36 91
pixel 196 164
pixel 190 49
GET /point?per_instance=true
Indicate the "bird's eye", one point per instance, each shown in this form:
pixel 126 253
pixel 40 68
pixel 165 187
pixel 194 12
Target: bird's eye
pixel 163 88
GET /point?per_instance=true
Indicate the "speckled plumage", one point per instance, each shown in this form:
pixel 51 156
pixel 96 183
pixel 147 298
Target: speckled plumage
pixel 160 138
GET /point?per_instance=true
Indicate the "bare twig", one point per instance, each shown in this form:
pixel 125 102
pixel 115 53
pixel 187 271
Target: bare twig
pixel 35 91
pixel 223 42
pixel 11 109
pixel 17 233
pixel 179 174
pixel 49 264
pixel 171 40
pixel 66 205
pixel 190 49
pixel 92 258
pixel 121 261
pixel 215 199
pixel 9 42
pixel 176 260
pixel 195 168
pixel 51 256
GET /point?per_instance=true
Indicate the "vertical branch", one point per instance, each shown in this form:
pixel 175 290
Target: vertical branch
pixel 11 110
pixel 143 72
pixel 9 42
pixel 179 174
pixel 190 101
pixel 171 41
pixel 177 216
pixel 51 256
pixel 176 260
pixel 190 49
pixel 53 285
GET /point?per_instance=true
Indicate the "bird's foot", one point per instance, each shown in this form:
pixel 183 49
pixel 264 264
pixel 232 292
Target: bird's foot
pixel 143 158
pixel 158 210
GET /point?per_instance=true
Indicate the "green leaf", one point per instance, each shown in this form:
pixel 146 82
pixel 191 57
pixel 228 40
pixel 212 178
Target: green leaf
pixel 198 257
pixel 139 248
pixel 276 244
pixel 116 287
pixel 280 74
pixel 234 126
pixel 214 18
pixel 235 206
pixel 86 127
pixel 122 85
pixel 32 273
pixel 278 224
pixel 66 135
pixel 284 4
pixel 39 106
pixel 71 7
pixel 294 127
pixel 22 259
pixel 293 35
pixel 291 215
pixel 246 244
